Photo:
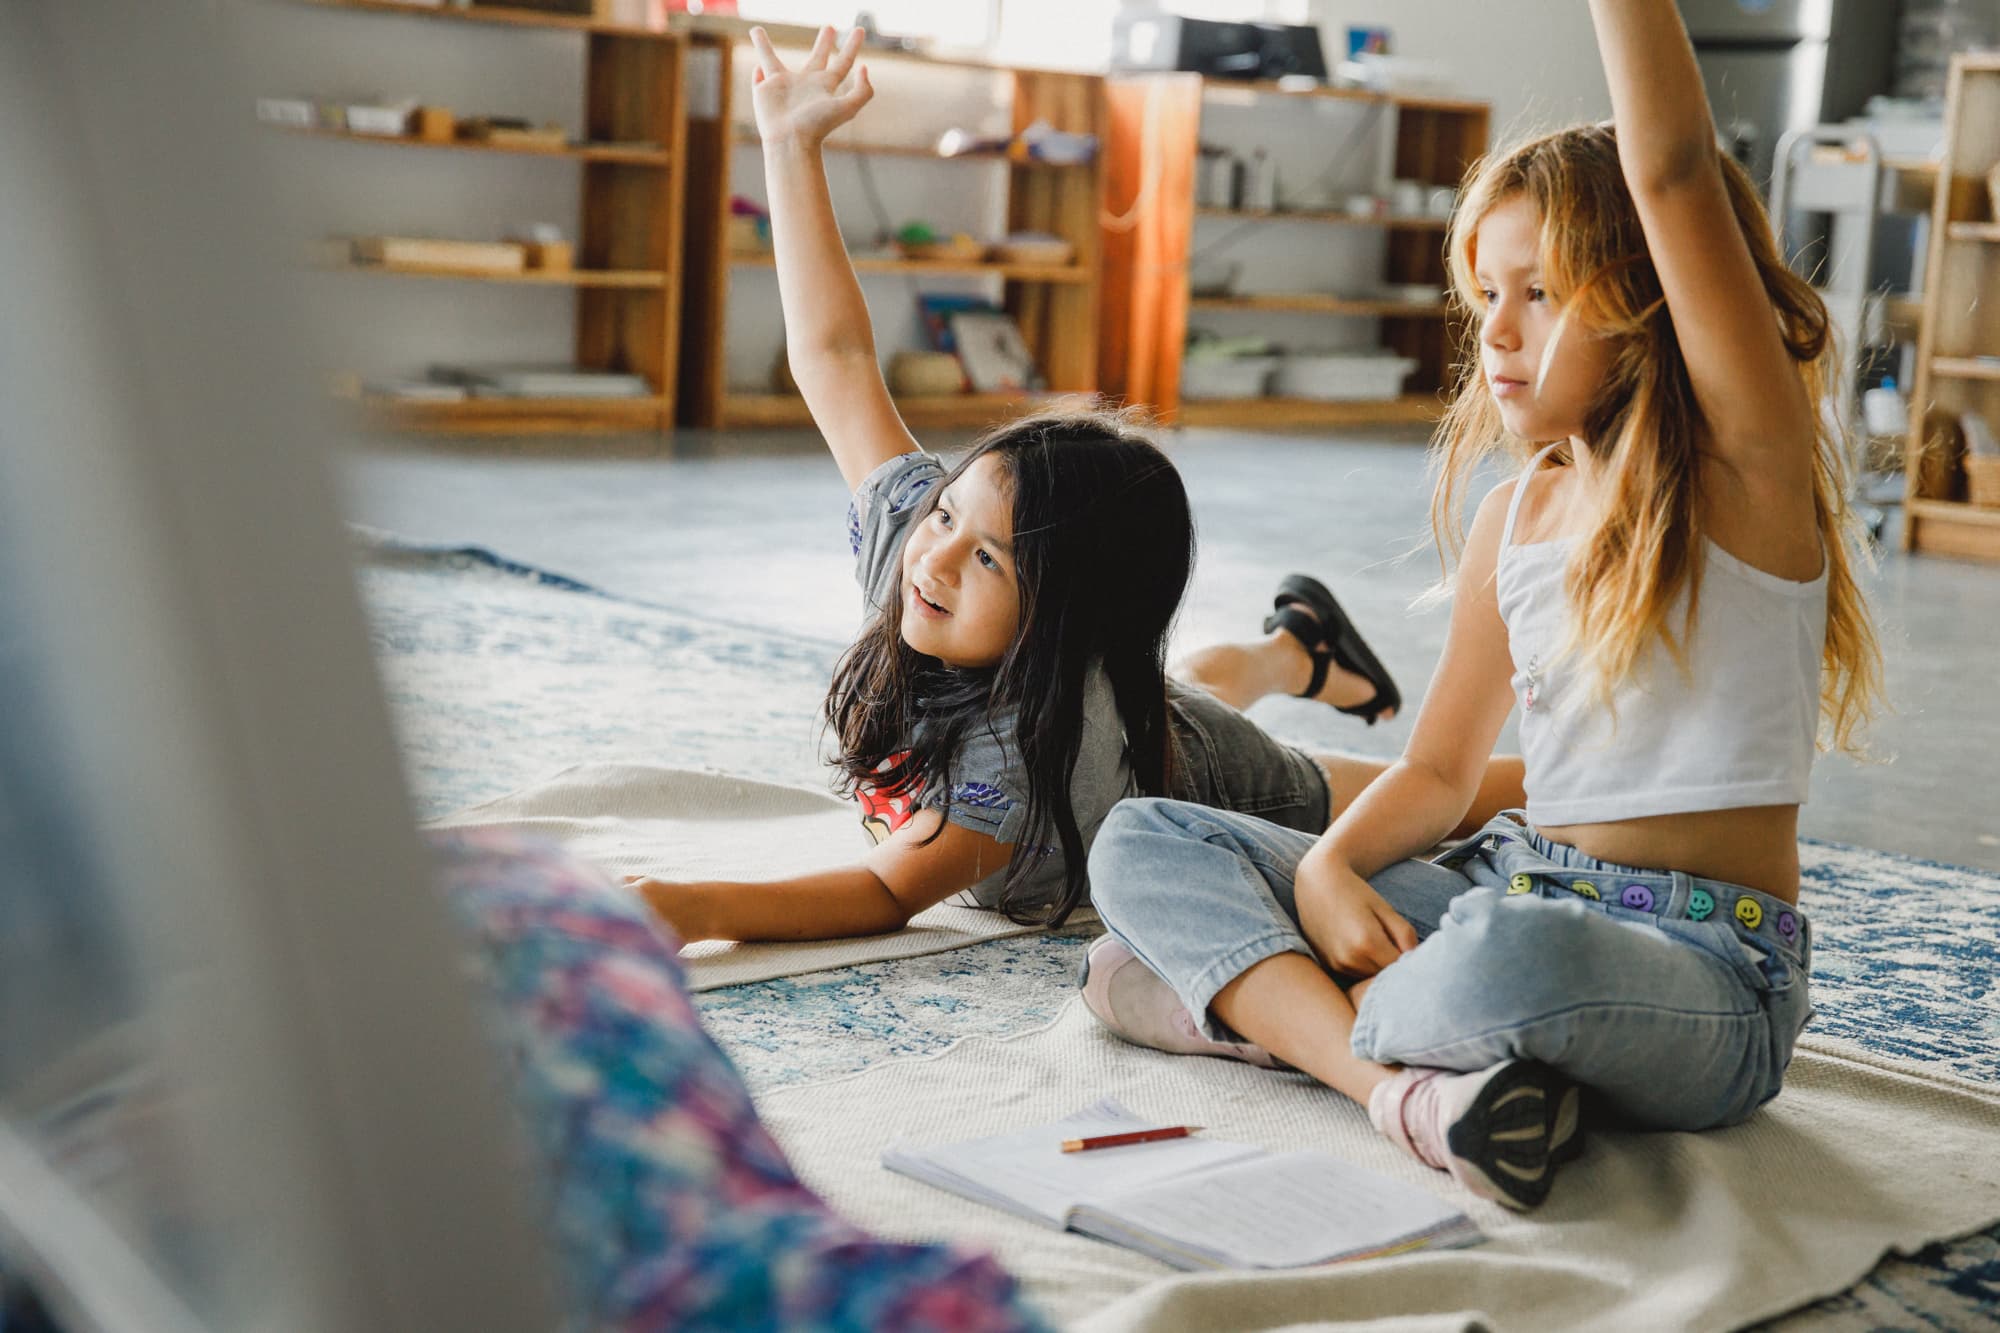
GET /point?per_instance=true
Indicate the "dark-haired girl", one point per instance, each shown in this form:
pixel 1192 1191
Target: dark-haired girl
pixel 1010 685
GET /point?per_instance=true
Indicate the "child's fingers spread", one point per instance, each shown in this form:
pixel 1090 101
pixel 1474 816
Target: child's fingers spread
pixel 823 43
pixel 767 57
pixel 844 54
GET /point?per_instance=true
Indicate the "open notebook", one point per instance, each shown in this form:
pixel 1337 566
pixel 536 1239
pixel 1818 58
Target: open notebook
pixel 1192 1202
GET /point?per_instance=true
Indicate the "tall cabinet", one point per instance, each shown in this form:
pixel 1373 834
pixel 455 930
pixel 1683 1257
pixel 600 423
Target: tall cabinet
pixel 1958 348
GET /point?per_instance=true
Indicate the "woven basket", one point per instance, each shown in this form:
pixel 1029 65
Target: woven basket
pixel 1982 479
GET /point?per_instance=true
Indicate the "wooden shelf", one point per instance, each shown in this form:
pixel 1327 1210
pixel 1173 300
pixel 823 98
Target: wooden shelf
pixel 1316 303
pixel 630 154
pixel 1150 296
pixel 1286 413
pixel 1965 368
pixel 1317 215
pixel 520 416
pixel 1219 88
pixel 500 14
pixel 624 306
pixel 1055 306
pixel 919 152
pixel 956 410
pixel 580 277
pixel 951 267
pixel 1953 528
pixel 1958 345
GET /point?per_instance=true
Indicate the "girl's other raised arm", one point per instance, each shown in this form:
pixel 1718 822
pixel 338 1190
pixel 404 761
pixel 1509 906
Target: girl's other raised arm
pixel 828 340
pixel 1757 410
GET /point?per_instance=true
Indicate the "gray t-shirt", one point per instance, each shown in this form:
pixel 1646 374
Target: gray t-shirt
pixel 1221 758
pixel 989 789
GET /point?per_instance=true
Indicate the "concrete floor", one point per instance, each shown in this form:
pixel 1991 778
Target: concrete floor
pixel 751 527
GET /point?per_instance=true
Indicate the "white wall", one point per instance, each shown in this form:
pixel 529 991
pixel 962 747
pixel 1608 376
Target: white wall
pixel 1534 60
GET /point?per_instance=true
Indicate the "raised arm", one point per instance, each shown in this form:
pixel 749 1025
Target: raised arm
pixel 1758 413
pixel 828 340
pixel 899 879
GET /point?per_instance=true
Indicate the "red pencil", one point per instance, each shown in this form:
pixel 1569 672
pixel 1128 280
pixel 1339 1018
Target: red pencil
pixel 1136 1136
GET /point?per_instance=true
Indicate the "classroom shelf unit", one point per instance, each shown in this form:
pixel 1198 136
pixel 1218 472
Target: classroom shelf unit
pixel 1156 130
pixel 1055 306
pixel 630 155
pixel 1958 348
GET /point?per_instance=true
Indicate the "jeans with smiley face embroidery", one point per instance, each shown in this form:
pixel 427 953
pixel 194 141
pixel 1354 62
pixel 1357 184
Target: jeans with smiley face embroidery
pixel 1676 1000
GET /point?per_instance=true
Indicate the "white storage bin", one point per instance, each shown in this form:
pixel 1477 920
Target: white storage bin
pixel 1226 376
pixel 1342 376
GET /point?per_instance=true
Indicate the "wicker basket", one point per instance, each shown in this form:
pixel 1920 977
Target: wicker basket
pixel 1982 480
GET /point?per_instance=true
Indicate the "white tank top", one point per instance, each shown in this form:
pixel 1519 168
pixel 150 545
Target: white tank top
pixel 1737 731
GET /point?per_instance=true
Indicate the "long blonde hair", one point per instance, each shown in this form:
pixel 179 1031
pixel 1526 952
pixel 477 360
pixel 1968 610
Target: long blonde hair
pixel 1643 425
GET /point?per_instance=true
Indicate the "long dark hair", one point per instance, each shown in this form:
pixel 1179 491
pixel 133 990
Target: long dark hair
pixel 1103 549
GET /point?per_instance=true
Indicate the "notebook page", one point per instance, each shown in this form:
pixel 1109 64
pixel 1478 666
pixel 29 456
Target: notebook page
pixel 1029 1170
pixel 1284 1210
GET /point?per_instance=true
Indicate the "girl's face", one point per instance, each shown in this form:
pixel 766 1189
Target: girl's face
pixel 961 603
pixel 1544 385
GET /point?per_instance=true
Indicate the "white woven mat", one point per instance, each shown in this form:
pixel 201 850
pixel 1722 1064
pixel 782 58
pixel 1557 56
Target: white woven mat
pixel 680 824
pixel 1858 1156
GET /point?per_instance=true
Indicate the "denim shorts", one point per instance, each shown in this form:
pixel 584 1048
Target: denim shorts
pixel 1227 761
pixel 1676 1000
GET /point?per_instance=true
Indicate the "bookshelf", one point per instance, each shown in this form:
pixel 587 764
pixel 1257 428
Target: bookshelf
pixel 1958 345
pixel 1055 306
pixel 628 154
pixel 1156 130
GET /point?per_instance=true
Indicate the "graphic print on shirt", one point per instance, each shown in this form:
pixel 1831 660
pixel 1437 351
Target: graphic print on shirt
pixel 886 809
pixel 1534 674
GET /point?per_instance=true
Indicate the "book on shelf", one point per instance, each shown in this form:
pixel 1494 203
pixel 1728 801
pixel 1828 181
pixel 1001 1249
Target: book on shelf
pixel 1194 1202
pixel 540 381
pixel 995 355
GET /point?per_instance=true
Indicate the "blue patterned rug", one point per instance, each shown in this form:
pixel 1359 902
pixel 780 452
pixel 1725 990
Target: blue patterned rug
pixel 499 674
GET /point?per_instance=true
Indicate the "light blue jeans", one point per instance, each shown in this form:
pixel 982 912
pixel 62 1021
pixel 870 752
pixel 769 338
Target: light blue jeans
pixel 1676 1000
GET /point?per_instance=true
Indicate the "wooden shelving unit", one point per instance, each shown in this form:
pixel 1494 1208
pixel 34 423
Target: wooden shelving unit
pixel 632 162
pixel 1155 135
pixel 1056 307
pixel 1958 348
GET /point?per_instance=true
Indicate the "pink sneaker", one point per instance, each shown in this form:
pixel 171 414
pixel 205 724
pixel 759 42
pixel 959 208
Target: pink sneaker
pixel 1500 1132
pixel 1130 999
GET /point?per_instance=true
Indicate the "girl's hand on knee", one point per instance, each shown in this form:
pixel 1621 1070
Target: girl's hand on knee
pixel 1355 932
pixel 805 105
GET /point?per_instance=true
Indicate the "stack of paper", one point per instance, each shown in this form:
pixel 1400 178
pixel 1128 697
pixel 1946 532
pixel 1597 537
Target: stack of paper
pixel 1190 1202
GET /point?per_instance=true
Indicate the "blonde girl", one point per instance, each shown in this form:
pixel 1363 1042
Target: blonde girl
pixel 1664 592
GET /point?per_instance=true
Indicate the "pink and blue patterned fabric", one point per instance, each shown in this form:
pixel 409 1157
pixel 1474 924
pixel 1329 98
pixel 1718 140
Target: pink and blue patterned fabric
pixel 673 1207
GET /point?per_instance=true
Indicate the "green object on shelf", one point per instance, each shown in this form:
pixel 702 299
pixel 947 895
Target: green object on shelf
pixel 917 233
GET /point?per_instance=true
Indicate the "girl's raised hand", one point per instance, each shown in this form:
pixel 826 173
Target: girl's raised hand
pixel 807 104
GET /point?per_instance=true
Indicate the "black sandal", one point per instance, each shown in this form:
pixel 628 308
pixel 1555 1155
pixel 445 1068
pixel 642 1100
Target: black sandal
pixel 1329 636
